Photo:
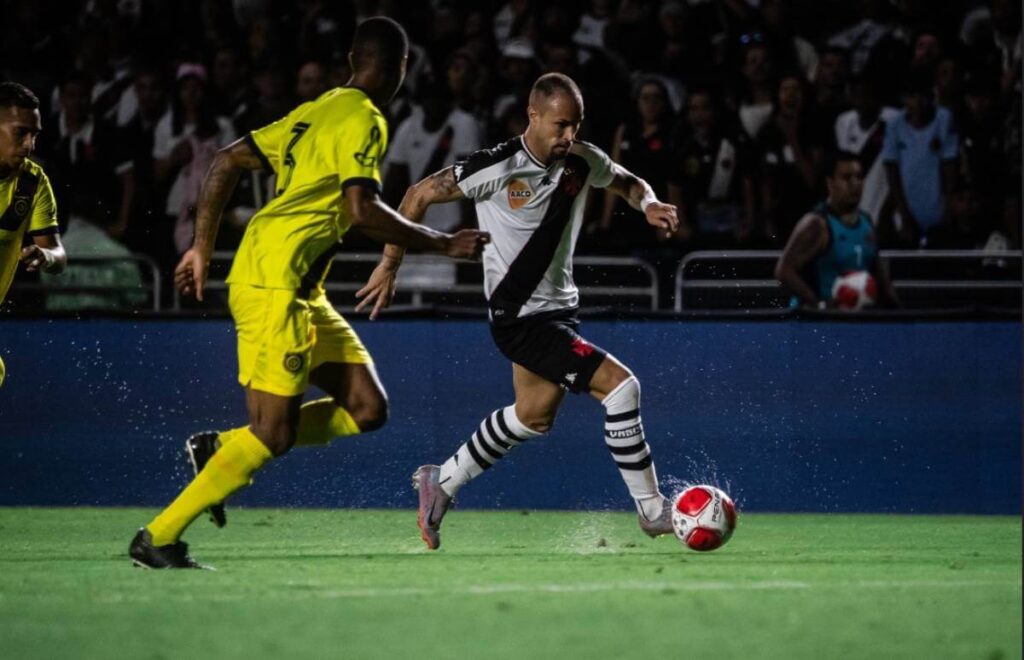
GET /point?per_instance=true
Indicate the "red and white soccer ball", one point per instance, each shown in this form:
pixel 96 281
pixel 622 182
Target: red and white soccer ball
pixel 703 518
pixel 855 290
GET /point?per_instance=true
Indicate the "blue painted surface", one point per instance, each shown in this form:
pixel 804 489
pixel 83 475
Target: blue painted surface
pixel 788 415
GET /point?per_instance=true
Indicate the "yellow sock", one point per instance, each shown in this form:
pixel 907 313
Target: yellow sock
pixel 224 437
pixel 321 421
pixel 227 470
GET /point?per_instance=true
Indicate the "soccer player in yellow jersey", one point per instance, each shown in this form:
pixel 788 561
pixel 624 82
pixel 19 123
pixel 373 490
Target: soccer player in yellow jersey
pixel 326 155
pixel 27 207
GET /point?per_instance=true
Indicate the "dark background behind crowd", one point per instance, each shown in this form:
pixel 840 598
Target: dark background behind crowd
pixel 727 107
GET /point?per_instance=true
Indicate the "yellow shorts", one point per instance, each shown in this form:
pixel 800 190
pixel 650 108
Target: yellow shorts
pixel 282 337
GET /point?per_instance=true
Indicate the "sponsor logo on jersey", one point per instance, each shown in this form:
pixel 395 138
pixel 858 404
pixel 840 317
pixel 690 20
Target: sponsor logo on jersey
pixel 581 347
pixel 519 194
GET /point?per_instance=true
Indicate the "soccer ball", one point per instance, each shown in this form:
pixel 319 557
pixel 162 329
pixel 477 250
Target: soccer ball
pixel 855 290
pixel 703 518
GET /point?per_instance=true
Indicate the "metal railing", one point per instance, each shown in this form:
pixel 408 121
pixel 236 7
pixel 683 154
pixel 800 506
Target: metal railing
pixel 417 290
pixel 769 288
pixel 153 288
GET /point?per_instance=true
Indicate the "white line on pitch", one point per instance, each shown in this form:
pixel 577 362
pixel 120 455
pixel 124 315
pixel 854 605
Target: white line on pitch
pixel 311 591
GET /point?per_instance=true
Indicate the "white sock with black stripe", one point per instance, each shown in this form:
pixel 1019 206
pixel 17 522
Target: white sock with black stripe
pixel 624 435
pixel 498 434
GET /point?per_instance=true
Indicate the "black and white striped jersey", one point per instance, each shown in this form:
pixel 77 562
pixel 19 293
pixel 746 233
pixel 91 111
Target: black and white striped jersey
pixel 533 213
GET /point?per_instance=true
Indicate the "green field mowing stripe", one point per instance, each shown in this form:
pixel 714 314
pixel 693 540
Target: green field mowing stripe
pixel 511 584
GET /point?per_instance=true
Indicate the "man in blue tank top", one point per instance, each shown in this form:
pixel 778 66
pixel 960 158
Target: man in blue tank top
pixel 834 238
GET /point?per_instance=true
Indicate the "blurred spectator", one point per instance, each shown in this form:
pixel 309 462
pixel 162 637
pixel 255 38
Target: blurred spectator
pixel 833 239
pixel 949 86
pixel 860 38
pixel 311 81
pixel 830 88
pixel 789 50
pixel 926 50
pixel 92 59
pixel 270 103
pixel 433 137
pixel 593 23
pixel 184 143
pixel 993 34
pixel 513 21
pixel 517 69
pixel 790 153
pixel 142 225
pixel 984 164
pixel 717 185
pixel 920 155
pixel 968 225
pixel 230 93
pixel 82 157
pixel 757 98
pixel 464 78
pixel 861 131
pixel 643 145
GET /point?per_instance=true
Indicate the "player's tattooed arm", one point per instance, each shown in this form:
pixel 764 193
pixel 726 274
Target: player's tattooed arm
pixel 808 239
pixel 217 188
pixel 639 195
pixel 438 188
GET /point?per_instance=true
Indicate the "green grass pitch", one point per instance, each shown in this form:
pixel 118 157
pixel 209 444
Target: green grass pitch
pixel 511 584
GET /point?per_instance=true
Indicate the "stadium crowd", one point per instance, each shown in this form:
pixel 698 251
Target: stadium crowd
pixel 727 107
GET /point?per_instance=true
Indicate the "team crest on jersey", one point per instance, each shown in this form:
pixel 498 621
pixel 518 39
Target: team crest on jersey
pixel 519 194
pixel 571 181
pixel 293 362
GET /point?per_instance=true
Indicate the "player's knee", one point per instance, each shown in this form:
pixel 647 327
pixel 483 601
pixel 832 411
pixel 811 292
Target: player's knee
pixel 538 422
pixel 278 435
pixel 624 393
pixel 370 413
pixel 369 409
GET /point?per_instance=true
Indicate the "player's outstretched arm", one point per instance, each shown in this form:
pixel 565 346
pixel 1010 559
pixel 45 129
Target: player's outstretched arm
pixel 437 188
pixel 218 186
pixel 639 195
pixel 809 238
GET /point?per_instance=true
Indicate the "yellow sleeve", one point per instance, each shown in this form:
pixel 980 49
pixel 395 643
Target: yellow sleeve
pixel 361 143
pixel 44 209
pixel 269 143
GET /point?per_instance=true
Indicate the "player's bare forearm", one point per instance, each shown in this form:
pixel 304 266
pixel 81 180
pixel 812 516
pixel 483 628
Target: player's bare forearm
pixel 382 223
pixel 631 188
pixel 217 188
pixel 437 188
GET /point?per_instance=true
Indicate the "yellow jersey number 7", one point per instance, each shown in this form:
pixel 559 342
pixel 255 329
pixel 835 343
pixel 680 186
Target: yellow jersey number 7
pixel 298 130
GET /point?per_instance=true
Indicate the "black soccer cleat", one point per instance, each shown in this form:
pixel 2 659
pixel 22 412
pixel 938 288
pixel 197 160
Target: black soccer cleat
pixel 146 555
pixel 199 448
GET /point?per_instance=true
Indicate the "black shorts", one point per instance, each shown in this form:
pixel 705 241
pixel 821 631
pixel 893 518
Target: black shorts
pixel 548 345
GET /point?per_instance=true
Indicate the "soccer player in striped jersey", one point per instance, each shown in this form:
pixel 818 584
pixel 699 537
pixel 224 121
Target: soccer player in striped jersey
pixel 530 194
pixel 326 155
pixel 27 206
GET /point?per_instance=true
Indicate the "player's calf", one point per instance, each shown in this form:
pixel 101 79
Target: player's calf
pixel 369 414
pixel 624 435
